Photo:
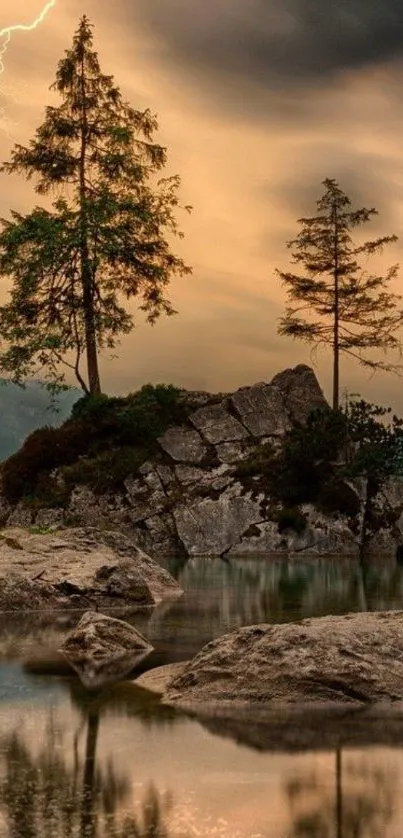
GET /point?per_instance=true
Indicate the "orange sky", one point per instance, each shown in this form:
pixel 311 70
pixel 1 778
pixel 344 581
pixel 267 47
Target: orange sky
pixel 253 124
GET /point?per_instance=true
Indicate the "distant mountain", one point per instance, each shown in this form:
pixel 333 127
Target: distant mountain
pixel 24 410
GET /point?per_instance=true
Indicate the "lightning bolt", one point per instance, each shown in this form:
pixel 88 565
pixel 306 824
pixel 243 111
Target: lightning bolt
pixel 5 38
pixel 7 32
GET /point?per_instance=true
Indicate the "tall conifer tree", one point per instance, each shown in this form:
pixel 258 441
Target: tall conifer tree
pixel 335 302
pixel 106 237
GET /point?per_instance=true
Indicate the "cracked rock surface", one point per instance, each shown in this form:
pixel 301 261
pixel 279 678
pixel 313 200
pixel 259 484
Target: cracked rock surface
pixel 78 568
pixel 353 660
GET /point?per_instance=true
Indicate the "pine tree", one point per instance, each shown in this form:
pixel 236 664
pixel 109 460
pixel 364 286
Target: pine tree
pixel 106 237
pixel 337 303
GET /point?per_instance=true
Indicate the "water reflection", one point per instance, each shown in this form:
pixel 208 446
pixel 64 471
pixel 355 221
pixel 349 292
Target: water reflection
pixel 220 596
pixel 51 793
pixel 361 805
pixel 120 765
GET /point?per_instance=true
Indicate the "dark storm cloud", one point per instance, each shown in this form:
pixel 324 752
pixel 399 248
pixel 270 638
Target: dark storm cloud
pixel 274 41
pixel 366 178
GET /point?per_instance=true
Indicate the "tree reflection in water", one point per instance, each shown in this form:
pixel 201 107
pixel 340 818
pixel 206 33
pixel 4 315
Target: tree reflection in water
pixel 43 794
pixel 360 807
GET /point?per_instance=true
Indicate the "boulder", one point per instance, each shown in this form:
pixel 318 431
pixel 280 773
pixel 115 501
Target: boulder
pixel 102 649
pixel 158 679
pixel 78 567
pixel 354 660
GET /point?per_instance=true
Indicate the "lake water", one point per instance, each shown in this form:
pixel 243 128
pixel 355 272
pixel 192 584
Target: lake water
pixel 118 764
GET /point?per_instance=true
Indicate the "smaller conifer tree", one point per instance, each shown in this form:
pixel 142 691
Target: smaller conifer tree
pixel 335 302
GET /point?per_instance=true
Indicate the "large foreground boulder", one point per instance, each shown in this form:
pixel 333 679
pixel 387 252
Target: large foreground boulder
pixel 103 649
pixel 78 568
pixel 353 660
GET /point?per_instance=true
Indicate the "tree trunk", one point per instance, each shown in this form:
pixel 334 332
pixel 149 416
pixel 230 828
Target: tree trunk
pixel 336 346
pixel 339 796
pixel 94 384
pixel 87 812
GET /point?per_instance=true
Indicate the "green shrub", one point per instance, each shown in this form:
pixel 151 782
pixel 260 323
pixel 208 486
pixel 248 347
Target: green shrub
pixel 107 472
pixel 291 519
pixel 337 496
pixel 260 460
pixel 42 452
pixel 114 435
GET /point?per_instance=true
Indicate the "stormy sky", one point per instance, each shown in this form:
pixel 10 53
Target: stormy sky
pixel 258 101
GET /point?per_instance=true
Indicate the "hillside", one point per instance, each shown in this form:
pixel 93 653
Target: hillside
pixel 24 410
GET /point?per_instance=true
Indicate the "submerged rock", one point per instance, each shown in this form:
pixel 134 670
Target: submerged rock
pixel 353 660
pixel 102 649
pixel 77 568
pixel 157 680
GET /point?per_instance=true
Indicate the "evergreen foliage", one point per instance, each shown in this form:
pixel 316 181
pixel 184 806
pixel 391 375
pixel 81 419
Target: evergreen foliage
pixel 106 238
pixel 316 460
pixel 335 302
pixel 105 441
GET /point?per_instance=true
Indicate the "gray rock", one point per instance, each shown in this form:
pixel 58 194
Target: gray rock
pixel 261 409
pixel 21 516
pixel 154 504
pixel 49 518
pixel 352 660
pixel 391 494
pixel 217 425
pixel 211 527
pixel 84 566
pixel 264 538
pixel 160 532
pixel 232 452
pixel 166 475
pixel 183 445
pixel 194 478
pixel 189 474
pixel 88 509
pixel 102 649
pixel 301 391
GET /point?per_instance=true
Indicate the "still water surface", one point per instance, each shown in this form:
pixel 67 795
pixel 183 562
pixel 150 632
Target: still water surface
pixel 119 765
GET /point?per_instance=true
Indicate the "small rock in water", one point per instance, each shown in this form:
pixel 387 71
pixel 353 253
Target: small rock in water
pixel 103 649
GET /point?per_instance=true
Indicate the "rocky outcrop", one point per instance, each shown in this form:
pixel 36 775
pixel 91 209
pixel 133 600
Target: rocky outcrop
pixel 300 391
pixel 190 500
pixel 354 660
pixel 321 535
pixel 77 568
pixel 102 649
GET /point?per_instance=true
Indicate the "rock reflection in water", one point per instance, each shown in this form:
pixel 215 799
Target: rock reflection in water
pixel 220 596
